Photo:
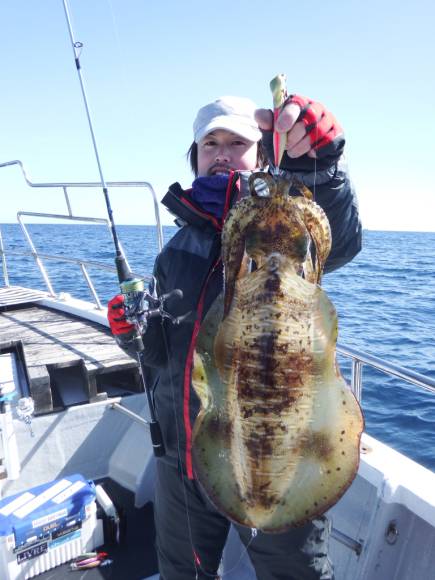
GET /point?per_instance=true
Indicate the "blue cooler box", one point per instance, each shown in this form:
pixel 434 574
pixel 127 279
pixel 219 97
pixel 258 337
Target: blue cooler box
pixel 46 526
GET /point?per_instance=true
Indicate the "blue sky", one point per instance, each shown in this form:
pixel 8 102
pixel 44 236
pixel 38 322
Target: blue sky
pixel 148 67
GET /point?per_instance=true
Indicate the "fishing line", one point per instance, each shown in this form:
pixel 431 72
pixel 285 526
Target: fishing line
pixel 115 28
pixel 196 558
pixel 132 288
pixel 77 49
pixel 125 275
pixel 120 58
pixel 177 427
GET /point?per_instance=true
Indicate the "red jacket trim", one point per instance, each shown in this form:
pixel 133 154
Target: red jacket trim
pixel 189 360
pixel 188 377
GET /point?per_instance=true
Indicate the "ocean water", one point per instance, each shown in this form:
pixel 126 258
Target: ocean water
pixel 385 299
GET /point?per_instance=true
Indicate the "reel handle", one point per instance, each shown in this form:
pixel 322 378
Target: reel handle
pixel 177 293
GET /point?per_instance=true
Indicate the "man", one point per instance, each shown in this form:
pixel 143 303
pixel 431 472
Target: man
pixel 231 139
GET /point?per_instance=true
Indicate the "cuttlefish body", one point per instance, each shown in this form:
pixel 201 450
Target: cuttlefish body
pixel 276 442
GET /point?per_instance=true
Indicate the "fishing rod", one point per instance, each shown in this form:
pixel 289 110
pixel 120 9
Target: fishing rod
pixel 120 261
pixel 140 305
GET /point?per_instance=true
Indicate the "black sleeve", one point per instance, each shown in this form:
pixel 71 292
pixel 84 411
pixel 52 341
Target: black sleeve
pixel 337 198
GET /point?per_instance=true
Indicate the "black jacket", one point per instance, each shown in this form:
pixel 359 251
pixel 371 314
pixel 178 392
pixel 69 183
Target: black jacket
pixel 191 262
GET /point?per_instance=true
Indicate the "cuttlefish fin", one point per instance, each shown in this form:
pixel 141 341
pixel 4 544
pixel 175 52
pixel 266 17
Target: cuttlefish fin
pixel 204 372
pixel 212 431
pixel 318 227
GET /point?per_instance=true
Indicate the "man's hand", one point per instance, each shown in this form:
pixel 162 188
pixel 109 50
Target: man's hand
pixel 311 129
pixel 116 315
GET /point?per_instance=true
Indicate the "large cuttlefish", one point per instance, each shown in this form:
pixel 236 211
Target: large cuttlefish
pixel 276 441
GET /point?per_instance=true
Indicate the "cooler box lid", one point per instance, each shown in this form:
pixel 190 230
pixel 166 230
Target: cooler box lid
pixel 43 509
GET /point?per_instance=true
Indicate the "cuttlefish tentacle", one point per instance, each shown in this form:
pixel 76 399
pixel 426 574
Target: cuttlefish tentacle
pixel 318 228
pixel 234 241
pixel 276 441
pixel 317 225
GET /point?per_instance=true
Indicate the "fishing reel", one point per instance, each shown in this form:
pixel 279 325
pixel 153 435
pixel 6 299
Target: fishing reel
pixel 141 304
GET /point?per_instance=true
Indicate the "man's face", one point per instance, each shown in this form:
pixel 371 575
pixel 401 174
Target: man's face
pixel 221 151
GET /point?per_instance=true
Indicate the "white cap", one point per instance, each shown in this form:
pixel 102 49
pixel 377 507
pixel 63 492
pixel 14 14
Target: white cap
pixel 235 114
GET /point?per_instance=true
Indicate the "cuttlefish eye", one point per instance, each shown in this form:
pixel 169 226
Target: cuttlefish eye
pixel 261 184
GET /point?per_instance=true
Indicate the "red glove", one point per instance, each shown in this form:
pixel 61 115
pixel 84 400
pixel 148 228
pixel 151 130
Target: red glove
pixel 116 317
pixel 322 133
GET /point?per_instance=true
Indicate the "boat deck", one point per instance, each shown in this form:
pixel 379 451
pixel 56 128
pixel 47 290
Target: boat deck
pixel 66 360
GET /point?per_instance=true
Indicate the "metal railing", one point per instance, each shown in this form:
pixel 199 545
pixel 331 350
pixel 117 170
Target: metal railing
pixel 38 257
pixel 359 359
pixel 83 264
pixel 4 264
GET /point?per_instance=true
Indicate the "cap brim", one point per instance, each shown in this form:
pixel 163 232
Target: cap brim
pixel 227 123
